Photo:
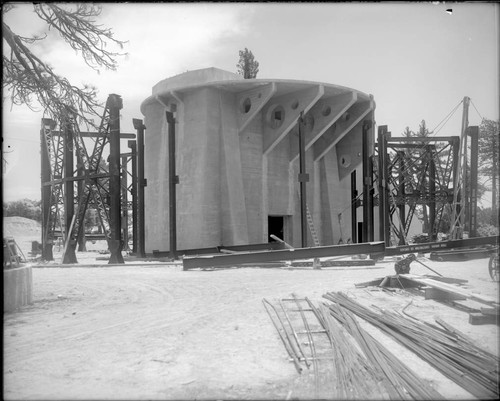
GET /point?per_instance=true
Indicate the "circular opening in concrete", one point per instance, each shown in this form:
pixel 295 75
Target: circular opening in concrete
pixel 246 105
pixel 327 110
pixel 294 104
pixel 276 116
pixel 345 161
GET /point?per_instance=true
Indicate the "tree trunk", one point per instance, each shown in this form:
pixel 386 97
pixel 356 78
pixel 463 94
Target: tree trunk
pixel 494 209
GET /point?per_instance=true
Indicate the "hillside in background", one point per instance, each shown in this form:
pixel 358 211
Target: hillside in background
pixel 23 230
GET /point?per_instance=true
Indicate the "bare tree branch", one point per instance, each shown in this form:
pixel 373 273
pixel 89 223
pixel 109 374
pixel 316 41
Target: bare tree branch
pixel 79 29
pixel 30 80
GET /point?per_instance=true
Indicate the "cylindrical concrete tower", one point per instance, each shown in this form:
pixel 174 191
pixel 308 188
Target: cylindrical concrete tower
pixel 237 158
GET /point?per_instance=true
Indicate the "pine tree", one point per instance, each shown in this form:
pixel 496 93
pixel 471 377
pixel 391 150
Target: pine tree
pixel 247 66
pixel 488 143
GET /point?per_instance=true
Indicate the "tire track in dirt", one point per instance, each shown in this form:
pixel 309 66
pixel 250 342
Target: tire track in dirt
pixel 189 294
pixel 65 332
pixel 180 303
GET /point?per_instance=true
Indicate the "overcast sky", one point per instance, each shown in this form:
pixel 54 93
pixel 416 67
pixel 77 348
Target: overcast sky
pixel 418 60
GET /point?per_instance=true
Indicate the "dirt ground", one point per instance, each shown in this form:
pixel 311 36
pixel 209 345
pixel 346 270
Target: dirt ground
pixel 157 332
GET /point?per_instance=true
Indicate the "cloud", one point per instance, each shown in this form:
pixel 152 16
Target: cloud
pixel 163 40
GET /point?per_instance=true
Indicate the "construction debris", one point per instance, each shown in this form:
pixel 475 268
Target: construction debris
pixel 356 365
pixel 12 254
pixel 452 354
pixel 435 287
pixel 493 267
pixel 442 287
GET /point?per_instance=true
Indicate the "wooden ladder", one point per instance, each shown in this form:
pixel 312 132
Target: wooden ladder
pixel 310 223
pixel 11 258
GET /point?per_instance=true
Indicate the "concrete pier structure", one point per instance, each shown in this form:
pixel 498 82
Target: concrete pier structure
pixel 17 288
pixel 237 159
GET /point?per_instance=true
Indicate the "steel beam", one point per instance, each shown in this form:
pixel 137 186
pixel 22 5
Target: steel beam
pixel 281 255
pixel 141 184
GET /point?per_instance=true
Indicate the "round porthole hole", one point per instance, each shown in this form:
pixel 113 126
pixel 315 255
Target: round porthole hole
pixel 246 105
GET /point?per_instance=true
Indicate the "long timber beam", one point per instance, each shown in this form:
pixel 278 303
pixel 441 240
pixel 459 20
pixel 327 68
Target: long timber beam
pixel 268 246
pixel 281 255
pixel 423 139
pixel 85 134
pixel 433 246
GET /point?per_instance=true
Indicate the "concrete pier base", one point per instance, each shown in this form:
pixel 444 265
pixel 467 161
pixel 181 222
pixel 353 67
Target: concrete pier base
pixel 17 288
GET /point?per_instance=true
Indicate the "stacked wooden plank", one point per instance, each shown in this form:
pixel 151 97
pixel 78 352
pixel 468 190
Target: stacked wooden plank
pixel 448 288
pixel 356 366
pixel 447 350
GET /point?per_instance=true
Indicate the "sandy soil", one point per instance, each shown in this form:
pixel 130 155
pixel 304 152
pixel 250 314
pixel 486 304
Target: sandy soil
pixel 157 332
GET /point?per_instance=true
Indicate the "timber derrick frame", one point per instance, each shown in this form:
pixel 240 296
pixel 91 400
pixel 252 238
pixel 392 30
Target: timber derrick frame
pixel 59 177
pixel 409 172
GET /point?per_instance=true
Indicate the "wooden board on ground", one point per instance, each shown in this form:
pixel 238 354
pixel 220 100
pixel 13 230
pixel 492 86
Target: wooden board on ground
pixel 450 288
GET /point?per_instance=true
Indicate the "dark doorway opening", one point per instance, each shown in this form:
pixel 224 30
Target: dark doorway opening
pixel 360 232
pixel 275 227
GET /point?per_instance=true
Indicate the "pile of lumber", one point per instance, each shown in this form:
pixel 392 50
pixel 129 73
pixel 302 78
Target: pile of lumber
pixel 443 347
pixel 354 365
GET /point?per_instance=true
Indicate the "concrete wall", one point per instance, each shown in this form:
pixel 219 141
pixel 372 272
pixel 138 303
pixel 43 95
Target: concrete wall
pixel 198 207
pixel 251 144
pixel 17 288
pixel 237 166
pixel 156 173
pixel 234 219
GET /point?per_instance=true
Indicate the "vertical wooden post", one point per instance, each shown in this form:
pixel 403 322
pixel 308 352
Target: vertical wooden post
pixel 354 207
pixel 432 194
pixel 474 154
pixel 367 183
pixel 371 216
pixel 82 247
pixel 141 184
pixel 133 150
pixel 47 245
pixel 69 209
pixel 401 196
pixel 124 192
pixel 383 204
pixel 173 180
pixel 303 178
pixel 115 242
